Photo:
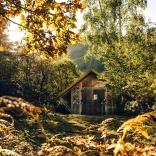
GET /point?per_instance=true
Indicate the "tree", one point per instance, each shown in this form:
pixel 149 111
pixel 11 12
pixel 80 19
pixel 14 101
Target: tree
pixel 3 35
pixel 118 33
pixel 8 74
pixel 48 24
pixel 34 78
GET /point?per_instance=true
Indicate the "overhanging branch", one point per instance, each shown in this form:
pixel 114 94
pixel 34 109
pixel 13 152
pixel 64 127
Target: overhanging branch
pixel 14 22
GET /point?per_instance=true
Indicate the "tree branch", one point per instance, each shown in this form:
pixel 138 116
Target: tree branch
pixel 14 22
pixel 29 10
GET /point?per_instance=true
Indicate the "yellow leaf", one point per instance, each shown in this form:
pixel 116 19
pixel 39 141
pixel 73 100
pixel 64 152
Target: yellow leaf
pixel 59 18
pixel 145 134
pixel 1 48
pixel 53 27
pixel 20 49
pixel 73 42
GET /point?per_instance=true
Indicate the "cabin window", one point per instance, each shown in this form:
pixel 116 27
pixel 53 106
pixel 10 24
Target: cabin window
pixel 95 97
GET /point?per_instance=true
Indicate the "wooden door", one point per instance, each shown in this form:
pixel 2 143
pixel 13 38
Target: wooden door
pixel 98 96
pixel 91 101
pixel 87 101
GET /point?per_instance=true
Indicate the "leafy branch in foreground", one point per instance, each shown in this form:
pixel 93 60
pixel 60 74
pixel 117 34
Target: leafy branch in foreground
pixel 49 25
pixel 10 107
pixel 10 144
pixel 13 106
pixel 139 129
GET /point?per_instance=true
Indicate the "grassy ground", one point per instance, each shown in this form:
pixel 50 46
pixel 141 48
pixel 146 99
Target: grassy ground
pixel 81 133
pixel 67 135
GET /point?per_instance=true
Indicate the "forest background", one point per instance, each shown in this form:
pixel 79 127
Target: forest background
pixel 117 40
pixel 116 37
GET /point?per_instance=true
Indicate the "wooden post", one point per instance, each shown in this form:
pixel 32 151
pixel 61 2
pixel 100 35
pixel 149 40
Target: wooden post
pixel 71 100
pixel 106 107
pixel 80 98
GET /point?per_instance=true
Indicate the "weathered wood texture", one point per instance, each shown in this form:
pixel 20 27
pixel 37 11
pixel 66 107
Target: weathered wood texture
pixel 87 95
pixel 83 94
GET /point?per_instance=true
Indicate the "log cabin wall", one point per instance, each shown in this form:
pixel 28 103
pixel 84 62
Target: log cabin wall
pixel 90 81
pixel 86 95
pixel 75 98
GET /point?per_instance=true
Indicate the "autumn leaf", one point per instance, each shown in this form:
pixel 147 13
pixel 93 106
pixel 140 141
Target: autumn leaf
pixel 1 48
pixel 76 35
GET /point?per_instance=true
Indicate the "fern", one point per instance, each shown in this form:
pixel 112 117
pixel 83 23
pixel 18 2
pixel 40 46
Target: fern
pixel 17 106
pixel 6 152
pixel 9 108
pixel 138 125
pixel 3 115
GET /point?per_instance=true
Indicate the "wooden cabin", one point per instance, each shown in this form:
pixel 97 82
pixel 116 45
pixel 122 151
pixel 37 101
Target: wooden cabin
pixel 87 95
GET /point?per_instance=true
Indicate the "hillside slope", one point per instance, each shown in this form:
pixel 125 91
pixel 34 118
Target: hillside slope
pixel 77 53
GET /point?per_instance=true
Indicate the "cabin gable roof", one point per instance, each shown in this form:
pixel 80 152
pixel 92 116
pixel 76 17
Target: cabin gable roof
pixel 77 81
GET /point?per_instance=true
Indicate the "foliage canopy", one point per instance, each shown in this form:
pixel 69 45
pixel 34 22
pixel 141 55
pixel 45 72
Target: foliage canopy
pixel 119 35
pixel 49 25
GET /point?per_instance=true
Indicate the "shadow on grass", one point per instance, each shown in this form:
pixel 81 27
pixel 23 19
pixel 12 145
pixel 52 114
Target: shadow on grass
pixel 29 130
pixel 56 123
pixel 53 124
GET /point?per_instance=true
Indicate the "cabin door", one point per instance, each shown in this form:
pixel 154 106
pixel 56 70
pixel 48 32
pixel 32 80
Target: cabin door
pixel 98 96
pixel 91 101
pixel 86 101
